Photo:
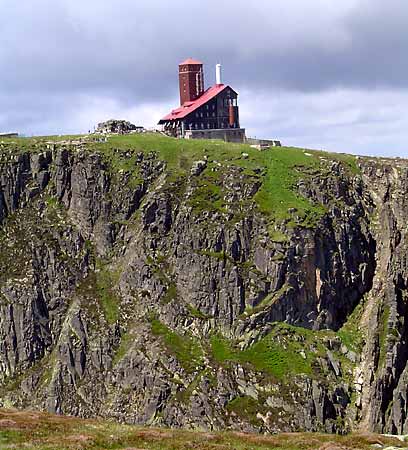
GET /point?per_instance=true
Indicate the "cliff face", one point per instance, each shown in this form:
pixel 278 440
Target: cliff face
pixel 212 287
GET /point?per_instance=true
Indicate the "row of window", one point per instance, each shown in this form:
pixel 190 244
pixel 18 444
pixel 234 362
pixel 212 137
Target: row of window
pixel 227 102
pixel 206 115
pixel 202 126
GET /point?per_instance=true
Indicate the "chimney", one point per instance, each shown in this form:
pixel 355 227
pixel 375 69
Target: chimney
pixel 218 74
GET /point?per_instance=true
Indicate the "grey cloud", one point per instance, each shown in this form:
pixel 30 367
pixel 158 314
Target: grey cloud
pixel 56 58
pixel 134 47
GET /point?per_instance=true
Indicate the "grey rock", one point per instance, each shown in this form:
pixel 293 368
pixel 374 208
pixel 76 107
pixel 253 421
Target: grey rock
pixel 198 167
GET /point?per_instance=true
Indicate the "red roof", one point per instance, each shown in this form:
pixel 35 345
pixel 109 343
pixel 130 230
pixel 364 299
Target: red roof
pixel 189 107
pixel 190 61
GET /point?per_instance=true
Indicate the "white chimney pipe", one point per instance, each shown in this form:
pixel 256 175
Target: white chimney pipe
pixel 218 74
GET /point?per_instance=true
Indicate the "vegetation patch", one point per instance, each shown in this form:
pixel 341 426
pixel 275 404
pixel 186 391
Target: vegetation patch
pixel 185 348
pixel 284 167
pixel 194 312
pixel 184 395
pixel 208 194
pixel 285 351
pixel 222 349
pixel 99 286
pixel 109 300
pixel 170 294
pixel 126 341
pixel 245 407
pixel 350 333
pixel 269 300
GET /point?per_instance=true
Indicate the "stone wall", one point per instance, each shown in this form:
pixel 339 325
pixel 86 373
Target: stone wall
pixel 225 134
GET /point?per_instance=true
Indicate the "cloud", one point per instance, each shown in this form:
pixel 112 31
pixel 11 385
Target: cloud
pixel 344 120
pixel 332 69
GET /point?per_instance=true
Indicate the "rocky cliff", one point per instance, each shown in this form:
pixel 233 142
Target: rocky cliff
pixel 204 285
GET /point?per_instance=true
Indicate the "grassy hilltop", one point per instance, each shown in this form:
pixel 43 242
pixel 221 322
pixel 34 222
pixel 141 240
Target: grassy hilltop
pixel 278 169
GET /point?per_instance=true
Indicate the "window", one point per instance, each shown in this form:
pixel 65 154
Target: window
pixel 202 126
pixel 206 106
pixel 213 114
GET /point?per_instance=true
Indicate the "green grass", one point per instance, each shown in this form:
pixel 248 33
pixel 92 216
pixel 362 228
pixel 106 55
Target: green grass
pixel 109 300
pixel 222 349
pixel 185 348
pixel 126 341
pixel 350 333
pixel 98 286
pixel 194 312
pixel 269 300
pixel 270 356
pixel 170 294
pixel 9 437
pixel 245 407
pixel 277 354
pixel 284 167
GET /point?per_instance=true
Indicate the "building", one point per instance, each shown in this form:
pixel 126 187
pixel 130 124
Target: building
pixel 204 114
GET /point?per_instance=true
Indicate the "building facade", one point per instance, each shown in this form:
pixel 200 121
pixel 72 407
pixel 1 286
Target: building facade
pixel 214 111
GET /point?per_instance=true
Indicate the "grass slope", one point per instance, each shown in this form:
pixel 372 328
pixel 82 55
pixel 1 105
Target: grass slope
pixel 39 431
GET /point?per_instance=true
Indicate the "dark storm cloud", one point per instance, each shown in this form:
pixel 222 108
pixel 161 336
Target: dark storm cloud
pixel 132 48
pixel 62 61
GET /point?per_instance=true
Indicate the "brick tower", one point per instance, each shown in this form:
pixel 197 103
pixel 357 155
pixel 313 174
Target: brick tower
pixel 191 78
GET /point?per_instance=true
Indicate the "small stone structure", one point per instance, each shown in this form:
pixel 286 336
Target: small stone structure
pixel 8 135
pixel 262 144
pixel 118 127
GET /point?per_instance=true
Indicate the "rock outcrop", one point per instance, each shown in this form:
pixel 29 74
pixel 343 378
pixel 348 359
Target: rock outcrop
pixel 132 291
pixel 117 126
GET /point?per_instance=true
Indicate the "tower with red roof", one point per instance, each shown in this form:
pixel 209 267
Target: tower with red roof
pixel 207 114
pixel 191 80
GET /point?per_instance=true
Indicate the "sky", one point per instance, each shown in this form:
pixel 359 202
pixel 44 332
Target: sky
pixel 320 74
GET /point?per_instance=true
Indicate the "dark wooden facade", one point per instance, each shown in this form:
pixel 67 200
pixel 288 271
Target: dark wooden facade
pixel 215 114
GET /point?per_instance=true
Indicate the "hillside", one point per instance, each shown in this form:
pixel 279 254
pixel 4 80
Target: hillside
pixel 203 285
